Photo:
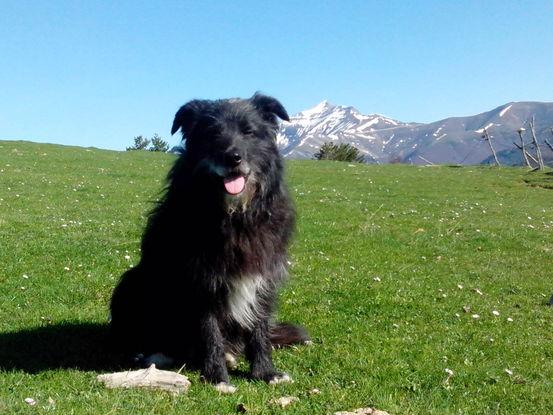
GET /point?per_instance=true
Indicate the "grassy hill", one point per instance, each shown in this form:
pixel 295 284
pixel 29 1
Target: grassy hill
pixel 398 272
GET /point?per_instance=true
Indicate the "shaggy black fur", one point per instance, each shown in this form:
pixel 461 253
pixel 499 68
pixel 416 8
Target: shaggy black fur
pixel 215 248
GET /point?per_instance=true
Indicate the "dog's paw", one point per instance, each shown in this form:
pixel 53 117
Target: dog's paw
pixel 231 361
pixel 224 387
pixel 281 378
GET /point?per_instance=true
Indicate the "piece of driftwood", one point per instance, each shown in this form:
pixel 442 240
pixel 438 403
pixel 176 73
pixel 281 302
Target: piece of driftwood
pixel 150 378
pixel 362 411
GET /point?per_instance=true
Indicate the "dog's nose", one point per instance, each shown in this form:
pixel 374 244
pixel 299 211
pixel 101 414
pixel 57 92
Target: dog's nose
pixel 234 158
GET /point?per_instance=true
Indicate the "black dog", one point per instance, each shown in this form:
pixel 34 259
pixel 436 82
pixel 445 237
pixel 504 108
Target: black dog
pixel 215 248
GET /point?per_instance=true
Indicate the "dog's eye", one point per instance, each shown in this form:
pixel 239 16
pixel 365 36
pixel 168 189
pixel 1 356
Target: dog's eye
pixel 247 131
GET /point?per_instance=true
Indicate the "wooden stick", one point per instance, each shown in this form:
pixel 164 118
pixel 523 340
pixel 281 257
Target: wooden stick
pixel 549 144
pixel 527 153
pixel 522 147
pixel 535 142
pixel 429 162
pixel 487 137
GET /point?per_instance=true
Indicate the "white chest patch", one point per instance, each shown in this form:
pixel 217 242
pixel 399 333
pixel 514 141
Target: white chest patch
pixel 242 300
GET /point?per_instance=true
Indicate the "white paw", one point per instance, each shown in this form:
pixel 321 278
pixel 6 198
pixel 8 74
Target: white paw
pixel 231 361
pixel 284 378
pixel 158 359
pixel 224 387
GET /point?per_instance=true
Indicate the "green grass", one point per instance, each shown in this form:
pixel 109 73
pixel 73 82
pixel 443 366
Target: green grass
pixel 378 260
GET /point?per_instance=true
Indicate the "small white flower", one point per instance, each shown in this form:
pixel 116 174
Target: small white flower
pixel 495 312
pixel 30 401
pixel 127 257
pixel 509 319
pixel 66 268
pixel 459 286
pixel 475 316
pixel 25 276
pixel 377 279
pixel 448 371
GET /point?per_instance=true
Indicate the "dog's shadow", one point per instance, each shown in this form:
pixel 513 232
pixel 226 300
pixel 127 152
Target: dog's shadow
pixel 81 346
pixel 78 346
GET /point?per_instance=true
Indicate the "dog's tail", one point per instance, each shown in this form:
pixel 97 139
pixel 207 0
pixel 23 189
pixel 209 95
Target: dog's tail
pixel 285 334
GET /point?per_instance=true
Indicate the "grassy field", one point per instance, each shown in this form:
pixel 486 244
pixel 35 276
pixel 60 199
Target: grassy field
pixel 425 289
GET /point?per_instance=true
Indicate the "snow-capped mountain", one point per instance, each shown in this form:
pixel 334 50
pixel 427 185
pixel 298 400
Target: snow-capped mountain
pixel 307 130
pixel 383 139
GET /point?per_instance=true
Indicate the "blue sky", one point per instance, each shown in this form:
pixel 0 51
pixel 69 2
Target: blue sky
pixel 94 73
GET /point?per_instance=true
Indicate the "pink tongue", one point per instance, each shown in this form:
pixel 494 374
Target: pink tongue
pixel 236 185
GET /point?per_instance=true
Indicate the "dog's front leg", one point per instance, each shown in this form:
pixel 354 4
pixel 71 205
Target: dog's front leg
pixel 258 352
pixel 214 369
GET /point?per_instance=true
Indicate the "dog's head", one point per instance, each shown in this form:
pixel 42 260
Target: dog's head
pixel 232 144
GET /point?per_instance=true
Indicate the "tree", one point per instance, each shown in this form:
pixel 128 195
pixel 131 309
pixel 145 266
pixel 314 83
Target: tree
pixel 140 143
pixel 158 144
pixel 339 152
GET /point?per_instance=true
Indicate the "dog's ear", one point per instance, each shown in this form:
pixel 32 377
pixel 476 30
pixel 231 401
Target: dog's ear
pixel 187 116
pixel 269 107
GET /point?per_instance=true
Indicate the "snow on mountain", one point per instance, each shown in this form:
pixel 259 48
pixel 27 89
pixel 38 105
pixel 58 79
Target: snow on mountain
pixel 504 110
pixel 382 139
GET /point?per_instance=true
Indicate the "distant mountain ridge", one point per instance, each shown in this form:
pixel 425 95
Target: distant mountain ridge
pixel 382 139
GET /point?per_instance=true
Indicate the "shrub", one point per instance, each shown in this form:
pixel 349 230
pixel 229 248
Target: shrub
pixel 339 152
